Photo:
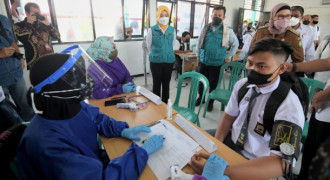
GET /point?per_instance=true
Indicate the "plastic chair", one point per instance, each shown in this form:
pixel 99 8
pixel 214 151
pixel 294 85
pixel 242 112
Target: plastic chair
pixel 189 112
pixel 312 84
pixel 222 94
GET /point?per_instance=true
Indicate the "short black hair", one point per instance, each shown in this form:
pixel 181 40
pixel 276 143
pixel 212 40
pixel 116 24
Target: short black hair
pixel 220 7
pixel 281 49
pixel 184 34
pixel 315 15
pixel 298 8
pixel 28 6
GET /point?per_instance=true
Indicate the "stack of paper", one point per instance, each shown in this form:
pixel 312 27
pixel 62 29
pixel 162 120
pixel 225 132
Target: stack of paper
pixel 196 134
pixel 178 148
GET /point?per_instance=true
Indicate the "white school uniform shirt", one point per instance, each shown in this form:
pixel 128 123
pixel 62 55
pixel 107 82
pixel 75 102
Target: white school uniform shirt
pixel 323 51
pixel 256 145
pixel 316 32
pixel 307 39
pixel 324 114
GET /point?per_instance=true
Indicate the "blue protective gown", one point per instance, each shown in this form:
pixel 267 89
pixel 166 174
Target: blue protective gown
pixel 68 149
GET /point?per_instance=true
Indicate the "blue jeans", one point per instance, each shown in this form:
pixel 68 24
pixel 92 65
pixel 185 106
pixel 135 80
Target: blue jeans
pixel 17 92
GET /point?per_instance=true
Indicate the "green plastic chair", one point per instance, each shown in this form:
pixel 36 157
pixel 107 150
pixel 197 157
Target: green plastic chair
pixel 189 112
pixel 222 94
pixel 311 84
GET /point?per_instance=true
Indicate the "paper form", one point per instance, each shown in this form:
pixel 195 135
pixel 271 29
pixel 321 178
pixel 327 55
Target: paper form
pixel 196 134
pixel 177 148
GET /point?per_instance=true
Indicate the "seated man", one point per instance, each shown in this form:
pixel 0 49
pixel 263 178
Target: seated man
pixel 104 52
pixel 61 140
pixel 252 135
pixel 184 42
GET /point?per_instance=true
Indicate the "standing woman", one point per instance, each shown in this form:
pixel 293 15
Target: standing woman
pixel 160 41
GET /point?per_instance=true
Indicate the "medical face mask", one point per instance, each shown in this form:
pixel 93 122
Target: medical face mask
pixel 306 22
pixel 163 20
pixel 282 24
pixel 216 21
pixel 113 54
pixel 257 78
pixel 294 21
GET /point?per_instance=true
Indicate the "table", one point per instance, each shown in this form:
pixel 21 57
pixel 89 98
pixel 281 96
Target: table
pixel 116 147
pixel 149 114
pixel 189 61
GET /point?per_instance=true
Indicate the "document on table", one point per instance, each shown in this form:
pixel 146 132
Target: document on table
pixel 177 149
pixel 196 134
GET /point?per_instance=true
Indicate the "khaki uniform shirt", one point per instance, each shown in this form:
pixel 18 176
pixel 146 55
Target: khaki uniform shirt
pixel 291 36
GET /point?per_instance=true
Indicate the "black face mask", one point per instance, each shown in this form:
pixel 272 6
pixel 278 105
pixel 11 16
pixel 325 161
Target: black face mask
pixel 187 40
pixel 248 28
pixel 306 22
pixel 257 78
pixel 216 21
pixel 315 22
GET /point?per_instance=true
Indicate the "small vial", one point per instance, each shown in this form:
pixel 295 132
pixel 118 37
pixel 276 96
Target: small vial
pixel 169 109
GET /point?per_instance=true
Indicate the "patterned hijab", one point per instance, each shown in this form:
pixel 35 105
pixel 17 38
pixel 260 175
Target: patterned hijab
pixel 103 49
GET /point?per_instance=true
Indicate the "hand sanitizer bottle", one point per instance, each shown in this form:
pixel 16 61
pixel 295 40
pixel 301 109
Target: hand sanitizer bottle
pixel 169 109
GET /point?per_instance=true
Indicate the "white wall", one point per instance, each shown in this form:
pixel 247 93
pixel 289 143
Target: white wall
pixel 232 8
pixel 310 7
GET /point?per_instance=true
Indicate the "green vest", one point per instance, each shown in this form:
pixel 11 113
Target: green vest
pixel 162 45
pixel 212 53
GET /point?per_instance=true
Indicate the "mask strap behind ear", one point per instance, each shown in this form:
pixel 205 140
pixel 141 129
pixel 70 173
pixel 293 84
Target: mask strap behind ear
pixel 33 105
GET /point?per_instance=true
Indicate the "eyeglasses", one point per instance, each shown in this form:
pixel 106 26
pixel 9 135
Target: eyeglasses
pixel 280 17
pixel 139 105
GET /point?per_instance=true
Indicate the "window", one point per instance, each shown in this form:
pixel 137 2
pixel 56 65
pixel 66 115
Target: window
pixel 191 15
pixel 133 13
pixel 108 18
pixel 74 24
pixel 199 18
pixel 85 20
pixel 252 9
pixel 183 20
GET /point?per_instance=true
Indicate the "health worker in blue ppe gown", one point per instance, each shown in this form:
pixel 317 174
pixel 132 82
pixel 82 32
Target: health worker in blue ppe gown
pixel 61 140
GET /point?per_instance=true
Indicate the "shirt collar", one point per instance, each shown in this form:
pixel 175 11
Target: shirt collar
pixel 267 89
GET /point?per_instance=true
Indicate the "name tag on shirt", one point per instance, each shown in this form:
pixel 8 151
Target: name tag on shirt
pixel 260 129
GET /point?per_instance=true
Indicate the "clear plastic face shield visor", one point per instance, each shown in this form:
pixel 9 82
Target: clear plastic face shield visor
pixel 80 72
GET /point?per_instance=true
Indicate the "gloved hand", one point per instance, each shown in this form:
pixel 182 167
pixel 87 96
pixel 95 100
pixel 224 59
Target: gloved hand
pixel 128 87
pixel 153 143
pixel 134 87
pixel 214 168
pixel 129 133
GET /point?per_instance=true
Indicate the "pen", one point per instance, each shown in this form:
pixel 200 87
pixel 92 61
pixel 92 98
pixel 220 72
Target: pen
pixel 153 123
pixel 143 141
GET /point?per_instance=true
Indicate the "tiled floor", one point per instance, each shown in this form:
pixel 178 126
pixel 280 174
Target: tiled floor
pixel 211 119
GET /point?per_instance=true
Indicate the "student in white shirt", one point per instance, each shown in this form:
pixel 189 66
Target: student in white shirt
pixel 314 22
pixel 265 63
pixel 323 51
pixel 319 125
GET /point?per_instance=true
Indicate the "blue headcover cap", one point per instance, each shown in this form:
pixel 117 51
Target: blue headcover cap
pixel 62 70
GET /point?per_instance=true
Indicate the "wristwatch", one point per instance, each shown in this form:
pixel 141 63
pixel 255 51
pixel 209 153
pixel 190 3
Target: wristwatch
pixel 294 67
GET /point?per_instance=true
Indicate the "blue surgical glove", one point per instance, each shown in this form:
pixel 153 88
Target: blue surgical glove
pixel 153 143
pixel 128 87
pixel 129 133
pixel 214 168
pixel 134 87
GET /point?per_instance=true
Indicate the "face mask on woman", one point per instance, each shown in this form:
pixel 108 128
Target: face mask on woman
pixel 163 20
pixel 282 24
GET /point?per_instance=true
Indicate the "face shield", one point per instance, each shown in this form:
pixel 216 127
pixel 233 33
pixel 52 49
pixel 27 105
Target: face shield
pixel 80 72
